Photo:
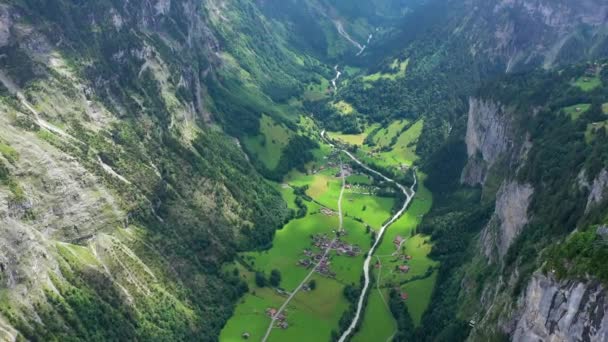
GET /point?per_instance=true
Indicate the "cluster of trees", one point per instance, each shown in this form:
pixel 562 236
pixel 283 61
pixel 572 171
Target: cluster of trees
pixel 273 280
pixel 332 119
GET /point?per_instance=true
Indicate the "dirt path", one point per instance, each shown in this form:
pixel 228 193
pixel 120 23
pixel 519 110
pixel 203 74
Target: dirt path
pixel 314 269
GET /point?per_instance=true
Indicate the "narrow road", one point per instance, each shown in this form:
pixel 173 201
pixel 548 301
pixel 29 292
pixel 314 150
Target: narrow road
pixel 314 269
pixel 409 196
pixel 366 265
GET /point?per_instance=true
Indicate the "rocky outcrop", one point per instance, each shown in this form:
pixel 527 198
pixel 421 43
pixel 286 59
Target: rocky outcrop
pixel 562 311
pixel 488 137
pixel 598 189
pixel 510 216
pixel 529 33
pixel 6 22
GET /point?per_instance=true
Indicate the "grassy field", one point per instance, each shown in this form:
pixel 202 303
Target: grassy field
pixel 419 282
pixel 378 323
pixel 358 179
pixel 577 110
pixel 320 309
pixel 398 69
pixel 385 136
pixel 420 292
pixel 372 210
pixel 588 83
pixel 317 91
pixel 403 152
pixel 353 139
pixel 313 315
pixel 344 108
pixel 269 144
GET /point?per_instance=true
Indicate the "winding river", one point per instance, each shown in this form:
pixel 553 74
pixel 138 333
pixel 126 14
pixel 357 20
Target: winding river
pixel 409 196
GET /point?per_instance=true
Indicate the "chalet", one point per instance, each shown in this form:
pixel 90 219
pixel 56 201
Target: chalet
pixel 305 263
pixel 398 240
pixel 404 268
pixel 270 312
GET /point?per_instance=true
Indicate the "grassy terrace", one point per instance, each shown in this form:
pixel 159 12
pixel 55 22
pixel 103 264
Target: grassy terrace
pixel 398 69
pixel 588 83
pixel 271 141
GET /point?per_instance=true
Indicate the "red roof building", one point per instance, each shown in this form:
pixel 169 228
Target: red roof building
pixel 404 268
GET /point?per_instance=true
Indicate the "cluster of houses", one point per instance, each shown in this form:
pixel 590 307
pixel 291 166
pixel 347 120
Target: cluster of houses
pixel 345 171
pixel 280 319
pixel 314 258
pixel 398 242
pixel 323 242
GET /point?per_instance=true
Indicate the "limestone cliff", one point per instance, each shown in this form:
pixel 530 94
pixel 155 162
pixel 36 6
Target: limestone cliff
pixel 489 137
pixel 518 34
pixel 554 310
pixel 511 215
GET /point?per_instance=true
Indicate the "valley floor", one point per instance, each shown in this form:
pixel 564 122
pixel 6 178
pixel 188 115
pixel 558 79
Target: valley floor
pixel 400 262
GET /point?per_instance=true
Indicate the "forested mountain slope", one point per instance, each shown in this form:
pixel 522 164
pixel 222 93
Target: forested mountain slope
pixel 136 154
pixel 518 181
pixel 123 185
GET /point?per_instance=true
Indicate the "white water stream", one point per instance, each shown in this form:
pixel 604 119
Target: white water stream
pixel 335 79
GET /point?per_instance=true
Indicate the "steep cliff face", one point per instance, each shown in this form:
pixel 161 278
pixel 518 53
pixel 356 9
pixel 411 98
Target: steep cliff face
pixel 597 188
pixel 523 33
pixel 489 137
pixel 554 310
pixel 511 215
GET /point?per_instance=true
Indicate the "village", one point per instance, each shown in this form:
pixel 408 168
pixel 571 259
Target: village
pixel 324 242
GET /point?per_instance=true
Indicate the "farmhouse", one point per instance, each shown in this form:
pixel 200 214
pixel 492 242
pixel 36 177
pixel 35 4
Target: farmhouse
pixel 398 240
pixel 270 312
pixel 404 268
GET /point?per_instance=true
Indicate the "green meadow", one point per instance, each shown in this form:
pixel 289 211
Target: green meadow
pixel 575 112
pixel 353 139
pixel 398 69
pixel 313 315
pixel 378 323
pixel 269 144
pixel 588 83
